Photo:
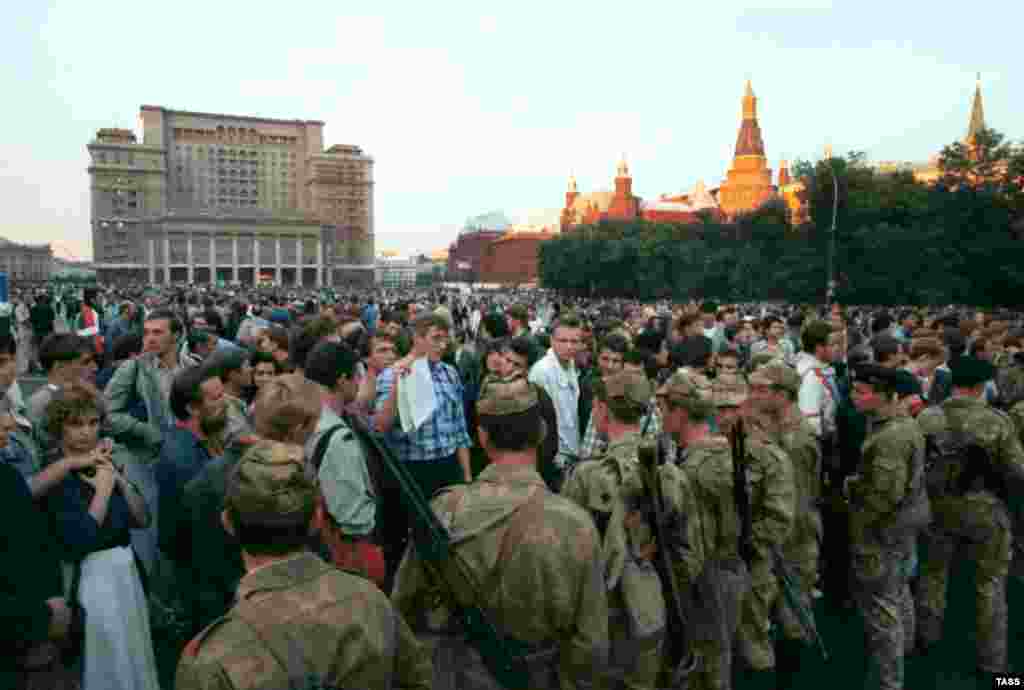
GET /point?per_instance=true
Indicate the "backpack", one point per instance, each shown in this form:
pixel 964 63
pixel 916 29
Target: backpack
pixel 1010 384
pixel 956 463
pixel 945 459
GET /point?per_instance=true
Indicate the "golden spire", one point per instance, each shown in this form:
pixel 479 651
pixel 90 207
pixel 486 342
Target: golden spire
pixel 572 183
pixel 977 123
pixel 828 151
pixel 623 169
pixel 749 103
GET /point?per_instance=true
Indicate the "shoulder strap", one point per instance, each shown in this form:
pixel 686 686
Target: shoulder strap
pixel 322 444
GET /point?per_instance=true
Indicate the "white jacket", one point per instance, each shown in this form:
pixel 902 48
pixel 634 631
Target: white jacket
pixel 816 399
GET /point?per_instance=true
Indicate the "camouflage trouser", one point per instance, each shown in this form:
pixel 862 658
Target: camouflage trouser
pixel 721 590
pixel 882 592
pixel 754 637
pixel 805 575
pixel 458 666
pixel 979 523
pixel 633 664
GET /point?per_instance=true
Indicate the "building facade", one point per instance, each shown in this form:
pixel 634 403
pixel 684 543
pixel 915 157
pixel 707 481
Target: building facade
pixel 466 254
pixel 25 263
pixel 513 258
pixel 206 198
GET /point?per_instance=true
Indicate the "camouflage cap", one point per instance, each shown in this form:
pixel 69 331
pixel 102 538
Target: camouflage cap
pixel 762 359
pixel 682 390
pixel 269 486
pixel 729 391
pixel 501 397
pixel 631 386
pixel 777 375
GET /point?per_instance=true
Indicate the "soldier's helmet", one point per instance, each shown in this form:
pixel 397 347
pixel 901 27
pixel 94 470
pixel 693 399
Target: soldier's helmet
pixel 270 486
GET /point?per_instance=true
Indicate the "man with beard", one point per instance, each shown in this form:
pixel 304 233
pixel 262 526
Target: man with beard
pixel 197 400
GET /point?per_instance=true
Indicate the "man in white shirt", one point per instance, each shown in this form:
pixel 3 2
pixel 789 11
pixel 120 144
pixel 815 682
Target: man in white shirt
pixel 817 397
pixel 556 373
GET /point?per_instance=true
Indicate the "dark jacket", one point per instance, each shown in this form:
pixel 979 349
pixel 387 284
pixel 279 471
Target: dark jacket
pixel 33 574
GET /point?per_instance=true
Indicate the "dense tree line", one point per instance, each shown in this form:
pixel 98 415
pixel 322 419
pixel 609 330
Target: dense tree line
pixel 898 241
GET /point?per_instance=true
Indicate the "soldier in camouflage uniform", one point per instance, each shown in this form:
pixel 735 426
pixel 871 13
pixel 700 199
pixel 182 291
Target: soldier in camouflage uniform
pixel 535 555
pixel 706 461
pixel 611 488
pixel 772 495
pixel 773 393
pixel 888 508
pixel 974 517
pixel 297 621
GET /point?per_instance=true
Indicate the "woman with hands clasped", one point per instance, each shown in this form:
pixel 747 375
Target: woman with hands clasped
pixel 94 508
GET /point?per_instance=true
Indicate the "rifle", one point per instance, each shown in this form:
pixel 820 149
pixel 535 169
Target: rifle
pixel 651 457
pixel 803 614
pixel 738 445
pixel 504 657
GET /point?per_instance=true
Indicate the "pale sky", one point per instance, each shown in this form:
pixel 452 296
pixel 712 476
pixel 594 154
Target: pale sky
pixel 475 107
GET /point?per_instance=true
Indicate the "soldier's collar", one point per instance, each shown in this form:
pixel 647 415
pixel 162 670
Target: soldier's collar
pixel 511 473
pixel 284 572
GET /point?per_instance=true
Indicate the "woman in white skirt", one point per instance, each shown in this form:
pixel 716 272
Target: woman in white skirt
pixel 94 513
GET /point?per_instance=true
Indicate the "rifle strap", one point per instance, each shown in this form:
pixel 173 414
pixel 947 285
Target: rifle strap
pixel 522 518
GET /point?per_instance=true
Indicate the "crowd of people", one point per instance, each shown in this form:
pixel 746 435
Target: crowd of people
pixel 634 495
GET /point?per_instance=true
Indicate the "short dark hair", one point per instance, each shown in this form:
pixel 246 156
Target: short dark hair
pixel 186 389
pixel 692 351
pixel 62 347
pixel 227 361
pixel 170 317
pixel 814 334
pixel 613 343
pixel 514 432
pixel 305 337
pixel 126 346
pixel 567 321
pixel 264 540
pixel 329 361
pixel 885 348
pixel 522 346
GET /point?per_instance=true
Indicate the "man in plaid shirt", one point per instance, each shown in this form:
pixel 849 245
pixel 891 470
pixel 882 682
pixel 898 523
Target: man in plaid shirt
pixel 436 453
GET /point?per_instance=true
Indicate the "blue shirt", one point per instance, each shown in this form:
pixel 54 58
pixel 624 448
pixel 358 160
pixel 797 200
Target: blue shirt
pixel 182 456
pixel 443 432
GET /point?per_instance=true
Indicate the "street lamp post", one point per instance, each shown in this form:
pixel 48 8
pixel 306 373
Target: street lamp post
pixel 830 286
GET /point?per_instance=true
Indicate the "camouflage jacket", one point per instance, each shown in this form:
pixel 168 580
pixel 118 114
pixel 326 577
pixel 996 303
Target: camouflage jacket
pixel 1017 415
pixel 770 487
pixel 612 489
pixel 884 477
pixel 798 441
pixel 301 623
pixel 550 589
pixel 995 431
